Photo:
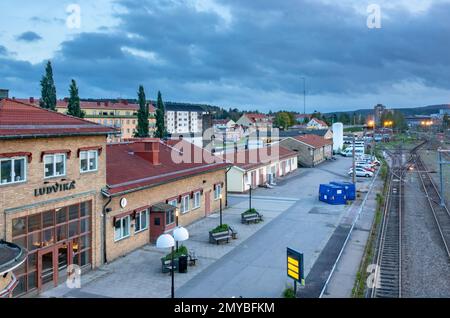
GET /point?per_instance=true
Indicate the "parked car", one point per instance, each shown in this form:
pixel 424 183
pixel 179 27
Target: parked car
pixel 360 172
pixel 364 166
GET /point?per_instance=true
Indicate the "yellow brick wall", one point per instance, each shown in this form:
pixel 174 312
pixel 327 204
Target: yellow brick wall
pixel 22 194
pixel 158 194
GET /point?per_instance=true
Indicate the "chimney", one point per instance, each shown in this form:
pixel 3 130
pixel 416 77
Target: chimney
pixel 31 100
pixel 125 102
pixel 106 103
pixel 98 103
pixel 147 149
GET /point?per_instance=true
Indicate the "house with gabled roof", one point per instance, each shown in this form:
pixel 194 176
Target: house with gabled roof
pixel 311 149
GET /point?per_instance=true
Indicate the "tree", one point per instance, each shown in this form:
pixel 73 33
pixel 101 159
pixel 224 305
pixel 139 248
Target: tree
pixel 292 120
pixel 73 108
pixel 48 89
pixel 282 120
pixel 142 122
pixel 344 118
pixel 446 121
pixel 160 125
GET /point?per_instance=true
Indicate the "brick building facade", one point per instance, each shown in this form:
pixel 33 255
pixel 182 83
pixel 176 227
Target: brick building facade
pixel 59 178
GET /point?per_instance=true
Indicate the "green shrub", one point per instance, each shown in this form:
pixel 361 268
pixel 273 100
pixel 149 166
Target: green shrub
pixel 182 250
pixel 249 211
pixel 222 228
pixel 289 293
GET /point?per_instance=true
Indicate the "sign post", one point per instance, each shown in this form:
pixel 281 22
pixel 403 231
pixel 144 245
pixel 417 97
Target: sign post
pixel 295 268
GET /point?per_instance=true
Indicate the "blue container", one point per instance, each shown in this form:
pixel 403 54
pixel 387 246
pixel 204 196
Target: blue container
pixel 349 187
pixel 332 194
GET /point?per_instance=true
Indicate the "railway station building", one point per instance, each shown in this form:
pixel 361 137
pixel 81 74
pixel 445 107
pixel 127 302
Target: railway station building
pixel 69 197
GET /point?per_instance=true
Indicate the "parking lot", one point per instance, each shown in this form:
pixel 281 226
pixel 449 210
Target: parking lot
pixel 251 266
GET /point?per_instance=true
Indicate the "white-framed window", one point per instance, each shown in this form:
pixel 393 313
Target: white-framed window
pixel 173 202
pixel 196 202
pixel 88 160
pixel 55 165
pixel 184 204
pixel 217 191
pixel 170 217
pixel 13 170
pixel 142 219
pixel 122 228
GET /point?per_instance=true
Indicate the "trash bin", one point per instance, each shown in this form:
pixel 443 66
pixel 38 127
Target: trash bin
pixel 182 264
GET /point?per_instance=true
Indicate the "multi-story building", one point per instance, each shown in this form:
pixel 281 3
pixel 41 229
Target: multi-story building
pixel 52 171
pixel 70 198
pixel 120 115
pixel 186 121
pixel 379 110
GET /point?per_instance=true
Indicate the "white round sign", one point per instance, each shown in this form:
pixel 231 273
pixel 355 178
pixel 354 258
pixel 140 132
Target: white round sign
pixel 123 202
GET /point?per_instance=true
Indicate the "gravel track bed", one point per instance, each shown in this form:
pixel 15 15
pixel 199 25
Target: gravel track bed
pixel 426 268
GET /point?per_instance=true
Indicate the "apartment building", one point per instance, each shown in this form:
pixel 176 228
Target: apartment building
pixel 120 115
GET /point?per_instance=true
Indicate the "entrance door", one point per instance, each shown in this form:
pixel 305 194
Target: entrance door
pixel 64 258
pixel 47 268
pixel 207 202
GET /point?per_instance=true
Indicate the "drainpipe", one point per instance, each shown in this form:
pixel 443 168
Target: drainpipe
pixel 105 211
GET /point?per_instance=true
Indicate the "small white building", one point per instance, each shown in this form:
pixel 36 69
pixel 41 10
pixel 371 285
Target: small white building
pixel 316 123
pixel 257 167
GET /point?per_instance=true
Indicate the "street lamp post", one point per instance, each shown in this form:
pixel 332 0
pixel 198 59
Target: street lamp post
pixel 304 95
pixel 176 224
pixel 250 195
pixel 168 241
pixel 221 210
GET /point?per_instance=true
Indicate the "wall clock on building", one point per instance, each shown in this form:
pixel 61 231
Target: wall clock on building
pixel 123 203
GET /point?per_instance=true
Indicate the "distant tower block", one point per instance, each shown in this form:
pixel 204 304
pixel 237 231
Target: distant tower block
pixel 338 136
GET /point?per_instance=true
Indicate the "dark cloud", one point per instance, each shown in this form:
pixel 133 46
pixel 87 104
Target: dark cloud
pixel 263 50
pixel 29 36
pixel 3 51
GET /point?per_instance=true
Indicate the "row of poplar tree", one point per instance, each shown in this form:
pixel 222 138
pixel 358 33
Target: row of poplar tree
pixel 48 101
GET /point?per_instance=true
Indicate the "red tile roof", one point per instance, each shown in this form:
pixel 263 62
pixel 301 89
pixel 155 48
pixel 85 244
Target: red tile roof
pixel 122 105
pixel 320 122
pixel 125 171
pixel 254 158
pixel 314 140
pixel 19 119
pixel 255 116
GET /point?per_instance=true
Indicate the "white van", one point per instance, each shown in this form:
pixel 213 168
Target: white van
pixel 348 152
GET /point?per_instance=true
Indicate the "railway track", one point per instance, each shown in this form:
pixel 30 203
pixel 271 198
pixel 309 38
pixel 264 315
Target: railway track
pixel 388 276
pixel 441 213
pixel 388 273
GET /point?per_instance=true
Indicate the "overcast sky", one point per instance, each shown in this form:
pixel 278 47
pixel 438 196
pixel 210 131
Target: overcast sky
pixel 250 54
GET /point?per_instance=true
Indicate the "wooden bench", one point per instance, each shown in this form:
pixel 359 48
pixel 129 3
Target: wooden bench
pixel 220 237
pixel 251 218
pixel 192 258
pixel 167 265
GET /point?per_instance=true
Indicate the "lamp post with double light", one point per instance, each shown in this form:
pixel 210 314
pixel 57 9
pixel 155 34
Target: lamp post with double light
pixel 164 241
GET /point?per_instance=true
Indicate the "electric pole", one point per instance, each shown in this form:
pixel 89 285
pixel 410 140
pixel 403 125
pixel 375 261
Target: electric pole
pixel 304 95
pixel 353 164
